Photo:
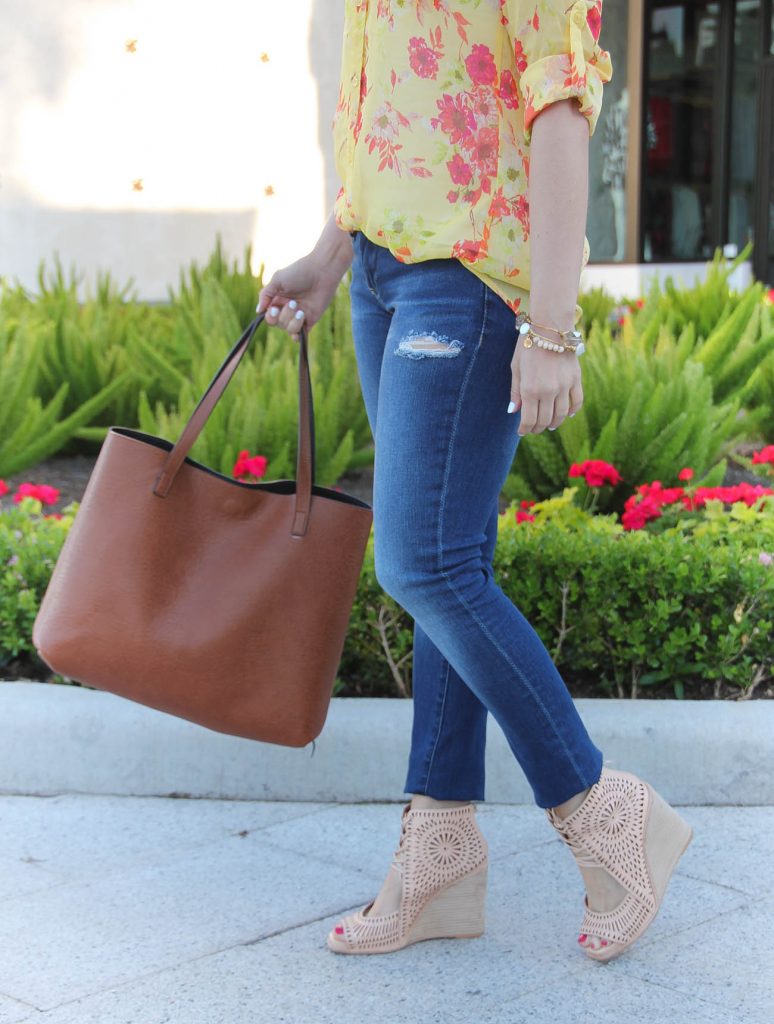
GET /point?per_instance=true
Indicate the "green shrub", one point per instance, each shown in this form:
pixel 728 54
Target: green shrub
pixel 77 367
pixel 259 411
pixel 32 428
pixel 680 610
pixel 686 611
pixel 30 542
pixel 690 373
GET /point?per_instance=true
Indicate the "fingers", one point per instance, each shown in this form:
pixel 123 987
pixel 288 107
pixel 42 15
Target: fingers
pixel 291 317
pixel 280 310
pixel 561 408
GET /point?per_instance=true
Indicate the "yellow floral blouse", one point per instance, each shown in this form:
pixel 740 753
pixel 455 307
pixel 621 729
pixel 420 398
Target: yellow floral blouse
pixel 434 118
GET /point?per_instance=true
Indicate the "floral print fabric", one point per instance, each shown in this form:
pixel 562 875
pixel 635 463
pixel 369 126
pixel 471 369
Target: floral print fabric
pixel 434 121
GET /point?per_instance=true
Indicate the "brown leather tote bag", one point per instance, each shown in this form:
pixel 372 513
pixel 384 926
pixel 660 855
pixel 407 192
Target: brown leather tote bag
pixel 219 601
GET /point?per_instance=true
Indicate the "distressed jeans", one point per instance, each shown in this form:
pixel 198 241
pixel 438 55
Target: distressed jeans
pixel 434 346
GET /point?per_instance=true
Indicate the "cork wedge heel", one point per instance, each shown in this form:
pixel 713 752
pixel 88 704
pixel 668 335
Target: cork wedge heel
pixel 443 861
pixel 626 828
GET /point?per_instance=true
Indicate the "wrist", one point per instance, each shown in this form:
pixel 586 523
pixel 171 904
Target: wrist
pixel 333 250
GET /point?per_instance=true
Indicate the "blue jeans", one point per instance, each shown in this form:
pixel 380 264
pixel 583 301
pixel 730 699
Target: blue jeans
pixel 434 345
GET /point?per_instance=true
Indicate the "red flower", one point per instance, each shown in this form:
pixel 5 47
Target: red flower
pixel 4 488
pixel 469 250
pixel 41 492
pixel 481 66
pixel 459 170
pixel 526 503
pixel 423 60
pixel 524 517
pixel 247 465
pixel 508 92
pixel 456 118
pixel 520 56
pixel 728 495
pixel 764 455
pixel 596 472
pixel 685 474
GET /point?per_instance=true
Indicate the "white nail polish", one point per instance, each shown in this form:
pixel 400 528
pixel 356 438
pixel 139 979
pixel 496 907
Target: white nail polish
pixel 511 407
pixel 300 315
pixel 293 304
pixel 552 428
pixel 273 311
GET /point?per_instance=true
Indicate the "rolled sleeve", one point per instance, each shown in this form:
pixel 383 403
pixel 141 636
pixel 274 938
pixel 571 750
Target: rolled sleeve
pixel 558 55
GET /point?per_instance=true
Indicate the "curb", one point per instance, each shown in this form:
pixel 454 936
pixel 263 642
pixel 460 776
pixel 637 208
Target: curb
pixel 57 739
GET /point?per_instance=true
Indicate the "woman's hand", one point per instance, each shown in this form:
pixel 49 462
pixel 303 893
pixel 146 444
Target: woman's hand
pixel 298 295
pixel 546 386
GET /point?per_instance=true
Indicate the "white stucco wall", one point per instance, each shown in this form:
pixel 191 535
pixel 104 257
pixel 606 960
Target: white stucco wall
pixel 130 156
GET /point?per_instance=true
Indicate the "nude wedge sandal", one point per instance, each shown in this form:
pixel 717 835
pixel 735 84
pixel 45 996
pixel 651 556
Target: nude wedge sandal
pixel 443 860
pixel 625 827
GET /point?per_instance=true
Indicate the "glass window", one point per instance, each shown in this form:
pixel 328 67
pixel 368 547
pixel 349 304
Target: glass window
pixel 748 27
pixel 606 227
pixel 681 67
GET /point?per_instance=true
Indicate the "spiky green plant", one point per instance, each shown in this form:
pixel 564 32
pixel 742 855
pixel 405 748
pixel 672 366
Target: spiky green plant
pixel 259 410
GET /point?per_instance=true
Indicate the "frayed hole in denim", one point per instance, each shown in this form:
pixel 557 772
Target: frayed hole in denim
pixel 428 345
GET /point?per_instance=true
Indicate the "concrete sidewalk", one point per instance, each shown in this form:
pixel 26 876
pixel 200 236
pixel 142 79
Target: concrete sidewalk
pixel 142 910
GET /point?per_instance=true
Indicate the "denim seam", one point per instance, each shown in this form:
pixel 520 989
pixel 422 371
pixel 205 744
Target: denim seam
pixel 525 682
pixel 429 768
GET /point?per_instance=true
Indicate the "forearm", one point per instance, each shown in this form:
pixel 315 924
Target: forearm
pixel 333 249
pixel 558 207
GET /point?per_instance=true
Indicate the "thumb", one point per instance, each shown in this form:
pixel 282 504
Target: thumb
pixel 515 402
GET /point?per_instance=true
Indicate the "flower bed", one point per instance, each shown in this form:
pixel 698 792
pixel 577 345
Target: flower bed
pixel 673 599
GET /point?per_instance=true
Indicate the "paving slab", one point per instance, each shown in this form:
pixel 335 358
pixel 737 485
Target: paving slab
pixel 212 912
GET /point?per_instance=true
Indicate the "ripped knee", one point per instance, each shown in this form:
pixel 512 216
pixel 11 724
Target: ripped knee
pixel 427 344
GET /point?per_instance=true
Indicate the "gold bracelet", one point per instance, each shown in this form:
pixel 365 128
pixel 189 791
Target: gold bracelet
pixel 529 337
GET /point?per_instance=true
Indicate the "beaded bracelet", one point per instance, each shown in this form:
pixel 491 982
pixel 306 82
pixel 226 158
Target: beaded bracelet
pixel 529 337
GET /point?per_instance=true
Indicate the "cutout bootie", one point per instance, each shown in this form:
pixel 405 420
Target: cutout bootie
pixel 443 860
pixel 625 827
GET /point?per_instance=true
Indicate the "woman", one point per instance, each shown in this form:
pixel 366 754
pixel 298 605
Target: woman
pixel 461 138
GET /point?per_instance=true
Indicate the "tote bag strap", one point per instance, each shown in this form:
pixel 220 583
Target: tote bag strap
pixel 305 450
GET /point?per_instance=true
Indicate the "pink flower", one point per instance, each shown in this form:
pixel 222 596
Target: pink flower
pixel 764 455
pixel 459 170
pixel 508 92
pixel 482 150
pixel 765 558
pixel 456 118
pixel 41 492
pixel 4 488
pixel 247 465
pixel 423 60
pixel 594 20
pixel 685 474
pixel 480 65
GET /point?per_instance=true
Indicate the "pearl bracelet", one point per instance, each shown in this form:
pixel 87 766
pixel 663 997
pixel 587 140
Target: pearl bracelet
pixel 529 337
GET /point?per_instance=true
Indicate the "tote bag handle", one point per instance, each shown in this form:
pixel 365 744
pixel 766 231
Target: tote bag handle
pixel 305 450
